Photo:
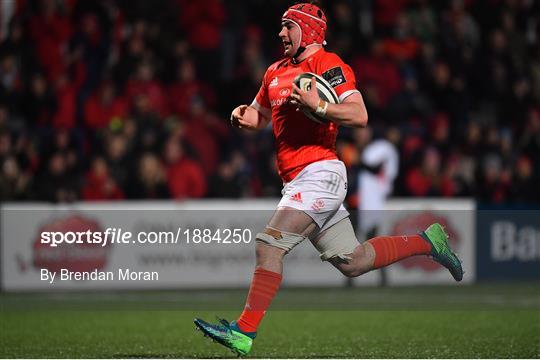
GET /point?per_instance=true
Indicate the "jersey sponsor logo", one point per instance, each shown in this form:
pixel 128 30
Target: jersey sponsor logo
pixel 278 102
pixel 334 76
pixel 296 197
pixel 274 82
pixel 284 92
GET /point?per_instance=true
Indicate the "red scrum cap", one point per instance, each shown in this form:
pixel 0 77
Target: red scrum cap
pixel 311 21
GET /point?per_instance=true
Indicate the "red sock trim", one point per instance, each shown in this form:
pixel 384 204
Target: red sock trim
pixel 264 287
pixel 389 249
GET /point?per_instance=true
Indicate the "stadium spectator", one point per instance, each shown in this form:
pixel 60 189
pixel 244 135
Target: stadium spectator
pixel 269 184
pixel 379 71
pixel 99 185
pixel 11 80
pixel 226 182
pixel 440 133
pixel 410 102
pixel 495 181
pixel 88 52
pixel 66 94
pixel 5 145
pixel 403 46
pixel 386 13
pixel 207 134
pixel 149 125
pixel 104 106
pixel 18 45
pixel 50 30
pixel 185 177
pixel 529 143
pixel 14 185
pixel 429 180
pixel 56 184
pixel 203 21
pixel 524 189
pixel 40 103
pixel 118 158
pixel 184 91
pixel 145 84
pixel 132 52
pixel 150 181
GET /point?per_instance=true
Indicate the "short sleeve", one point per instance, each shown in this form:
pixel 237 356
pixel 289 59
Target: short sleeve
pixel 339 75
pixel 262 102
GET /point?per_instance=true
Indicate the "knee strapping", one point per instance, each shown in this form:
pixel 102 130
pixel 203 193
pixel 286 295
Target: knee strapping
pixel 280 239
pixel 337 241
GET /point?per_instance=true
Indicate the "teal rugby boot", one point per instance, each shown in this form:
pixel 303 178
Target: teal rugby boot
pixel 228 335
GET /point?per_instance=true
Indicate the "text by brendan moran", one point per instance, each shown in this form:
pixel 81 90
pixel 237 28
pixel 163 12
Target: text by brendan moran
pixel 96 275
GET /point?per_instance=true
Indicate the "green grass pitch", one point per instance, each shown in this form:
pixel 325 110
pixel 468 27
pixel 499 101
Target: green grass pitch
pixel 493 321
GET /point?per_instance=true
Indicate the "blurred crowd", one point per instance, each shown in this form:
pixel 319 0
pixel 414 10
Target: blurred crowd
pixel 130 99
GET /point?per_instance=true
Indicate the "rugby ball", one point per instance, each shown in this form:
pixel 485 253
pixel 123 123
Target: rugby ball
pixel 325 90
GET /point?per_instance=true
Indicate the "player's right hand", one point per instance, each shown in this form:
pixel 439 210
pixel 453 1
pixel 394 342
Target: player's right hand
pixel 245 117
pixel 237 116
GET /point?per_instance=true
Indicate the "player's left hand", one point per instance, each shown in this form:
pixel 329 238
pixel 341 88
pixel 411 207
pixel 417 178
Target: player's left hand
pixel 305 99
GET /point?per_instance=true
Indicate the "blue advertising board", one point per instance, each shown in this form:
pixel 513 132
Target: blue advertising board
pixel 508 244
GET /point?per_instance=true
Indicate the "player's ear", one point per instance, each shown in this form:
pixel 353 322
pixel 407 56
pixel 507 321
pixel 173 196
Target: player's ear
pixel 313 83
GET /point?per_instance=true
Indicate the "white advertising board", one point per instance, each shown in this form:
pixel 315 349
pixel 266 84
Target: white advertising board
pixel 27 263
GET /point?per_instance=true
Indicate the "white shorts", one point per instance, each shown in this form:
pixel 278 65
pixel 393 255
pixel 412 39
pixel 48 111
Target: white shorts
pixel 319 190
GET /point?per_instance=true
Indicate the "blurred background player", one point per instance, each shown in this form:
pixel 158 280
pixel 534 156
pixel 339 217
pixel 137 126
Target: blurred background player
pixel 379 168
pixel 314 178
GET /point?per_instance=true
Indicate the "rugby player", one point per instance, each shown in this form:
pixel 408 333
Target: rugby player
pixel 314 178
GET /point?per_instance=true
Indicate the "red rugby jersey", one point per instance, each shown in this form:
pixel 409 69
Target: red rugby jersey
pixel 299 140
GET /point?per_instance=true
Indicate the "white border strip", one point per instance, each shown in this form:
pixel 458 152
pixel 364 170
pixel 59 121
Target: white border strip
pixel 346 94
pixel 301 12
pixel 267 113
